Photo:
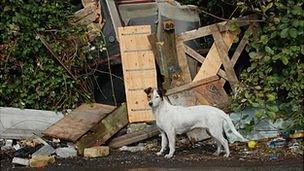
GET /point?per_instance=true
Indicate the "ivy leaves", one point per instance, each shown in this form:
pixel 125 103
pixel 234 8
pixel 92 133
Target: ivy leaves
pixel 29 77
pixel 274 82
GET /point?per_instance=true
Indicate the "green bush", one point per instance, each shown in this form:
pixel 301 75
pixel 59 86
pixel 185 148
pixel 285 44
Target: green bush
pixel 274 83
pixel 29 77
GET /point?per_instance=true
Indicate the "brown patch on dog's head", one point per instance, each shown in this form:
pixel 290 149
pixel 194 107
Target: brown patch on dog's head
pixel 149 92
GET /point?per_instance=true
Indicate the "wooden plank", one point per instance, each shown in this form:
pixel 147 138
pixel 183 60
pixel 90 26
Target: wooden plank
pixel 133 137
pixel 78 122
pixel 191 85
pixel 223 53
pixel 95 108
pixel 212 63
pixel 139 70
pixel 194 54
pixel 104 130
pixel 239 50
pixel 114 16
pixel 201 59
pixel 207 30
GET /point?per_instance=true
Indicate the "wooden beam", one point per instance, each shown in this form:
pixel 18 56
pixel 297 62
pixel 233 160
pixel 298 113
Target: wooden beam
pixel 170 59
pixel 201 59
pixel 239 50
pixel 191 85
pixel 194 54
pixel 133 137
pixel 114 16
pixel 104 130
pixel 207 30
pixel 223 54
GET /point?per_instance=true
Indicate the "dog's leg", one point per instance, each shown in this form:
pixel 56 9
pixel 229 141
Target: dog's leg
pixel 219 136
pixel 171 138
pixel 164 143
pixel 219 145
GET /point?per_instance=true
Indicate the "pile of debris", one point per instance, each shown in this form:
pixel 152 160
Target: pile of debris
pixel 92 130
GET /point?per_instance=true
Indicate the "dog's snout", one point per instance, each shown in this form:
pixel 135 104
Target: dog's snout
pixel 150 104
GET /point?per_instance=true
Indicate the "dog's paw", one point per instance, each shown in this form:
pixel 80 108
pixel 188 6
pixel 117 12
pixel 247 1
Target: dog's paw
pixel 226 155
pixel 168 156
pixel 159 153
pixel 216 153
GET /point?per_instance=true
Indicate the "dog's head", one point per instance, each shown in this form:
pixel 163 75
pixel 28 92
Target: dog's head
pixel 155 96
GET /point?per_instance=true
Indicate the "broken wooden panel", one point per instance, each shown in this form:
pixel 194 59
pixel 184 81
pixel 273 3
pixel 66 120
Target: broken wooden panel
pixel 86 15
pixel 78 122
pixel 192 53
pixel 133 137
pixel 214 93
pixel 139 70
pixel 212 63
pixel 104 130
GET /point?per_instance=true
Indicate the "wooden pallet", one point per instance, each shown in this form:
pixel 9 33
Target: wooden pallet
pixel 139 70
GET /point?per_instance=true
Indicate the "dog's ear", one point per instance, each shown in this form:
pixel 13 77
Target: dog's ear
pixel 148 90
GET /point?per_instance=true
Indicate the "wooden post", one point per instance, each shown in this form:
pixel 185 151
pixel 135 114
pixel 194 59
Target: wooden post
pixel 170 62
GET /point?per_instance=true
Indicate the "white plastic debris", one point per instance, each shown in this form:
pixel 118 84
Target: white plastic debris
pixel 21 161
pixel 17 146
pixel 44 150
pixel 139 147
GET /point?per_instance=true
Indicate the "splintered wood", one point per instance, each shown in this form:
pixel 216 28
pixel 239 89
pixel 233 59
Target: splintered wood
pixel 139 70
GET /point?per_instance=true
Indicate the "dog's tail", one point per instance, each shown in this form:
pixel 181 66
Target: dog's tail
pixel 233 130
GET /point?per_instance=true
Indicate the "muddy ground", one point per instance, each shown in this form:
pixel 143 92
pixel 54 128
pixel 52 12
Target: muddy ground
pixel 198 157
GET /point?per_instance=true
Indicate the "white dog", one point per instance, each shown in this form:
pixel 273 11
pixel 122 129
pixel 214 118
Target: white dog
pixel 173 120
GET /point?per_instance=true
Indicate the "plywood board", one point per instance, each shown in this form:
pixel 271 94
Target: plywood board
pixel 138 62
pixel 212 63
pixel 78 122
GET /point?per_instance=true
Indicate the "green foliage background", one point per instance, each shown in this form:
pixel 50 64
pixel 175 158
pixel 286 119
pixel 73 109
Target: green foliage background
pixel 274 83
pixel 29 77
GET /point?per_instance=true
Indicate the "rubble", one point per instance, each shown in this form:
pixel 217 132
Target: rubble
pixel 99 151
pixel 40 161
pixel 66 152
pixel 91 129
pixel 44 150
pixel 21 161
pixel 139 147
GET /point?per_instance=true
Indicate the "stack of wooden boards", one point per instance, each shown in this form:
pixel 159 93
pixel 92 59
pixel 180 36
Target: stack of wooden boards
pixel 95 124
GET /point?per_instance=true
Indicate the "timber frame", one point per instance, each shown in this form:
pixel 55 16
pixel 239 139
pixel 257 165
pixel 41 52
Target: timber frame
pixel 217 55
